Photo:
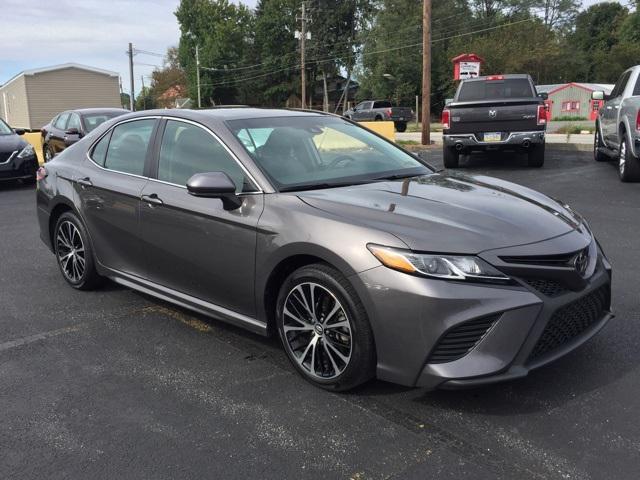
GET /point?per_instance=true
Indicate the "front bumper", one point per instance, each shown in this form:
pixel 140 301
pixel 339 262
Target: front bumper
pixel 19 168
pixel 509 140
pixel 411 317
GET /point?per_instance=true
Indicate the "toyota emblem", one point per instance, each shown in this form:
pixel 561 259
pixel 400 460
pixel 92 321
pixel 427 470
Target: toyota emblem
pixel 581 261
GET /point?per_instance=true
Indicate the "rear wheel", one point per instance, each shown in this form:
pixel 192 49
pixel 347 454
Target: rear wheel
pixel 324 328
pixel 74 253
pixel 598 156
pixel 535 157
pixel 628 165
pixel 451 157
pixel 401 127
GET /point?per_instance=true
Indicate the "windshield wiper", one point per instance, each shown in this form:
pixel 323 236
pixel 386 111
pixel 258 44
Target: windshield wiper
pixel 397 176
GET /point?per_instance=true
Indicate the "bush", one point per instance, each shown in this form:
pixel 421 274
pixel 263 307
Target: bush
pixel 573 129
pixel 569 118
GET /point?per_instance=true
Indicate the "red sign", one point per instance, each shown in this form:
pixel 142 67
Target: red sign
pixel 466 65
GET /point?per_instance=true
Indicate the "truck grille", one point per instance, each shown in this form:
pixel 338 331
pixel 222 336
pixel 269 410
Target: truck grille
pixel 459 340
pixel 570 321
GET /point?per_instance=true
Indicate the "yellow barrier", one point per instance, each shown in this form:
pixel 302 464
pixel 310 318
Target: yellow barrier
pixel 36 140
pixel 386 129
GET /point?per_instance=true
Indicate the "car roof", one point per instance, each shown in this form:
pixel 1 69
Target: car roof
pixel 89 111
pixel 226 113
pixel 505 76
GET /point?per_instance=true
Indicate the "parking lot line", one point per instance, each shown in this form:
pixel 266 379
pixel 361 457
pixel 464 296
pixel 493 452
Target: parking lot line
pixel 39 336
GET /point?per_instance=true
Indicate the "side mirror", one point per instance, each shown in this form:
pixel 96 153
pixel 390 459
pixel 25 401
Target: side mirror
pixel 215 185
pixel 72 131
pixel 543 95
pixel 597 95
pixel 447 101
pixel 19 131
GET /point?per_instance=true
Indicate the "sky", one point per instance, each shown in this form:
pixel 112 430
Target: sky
pixel 91 32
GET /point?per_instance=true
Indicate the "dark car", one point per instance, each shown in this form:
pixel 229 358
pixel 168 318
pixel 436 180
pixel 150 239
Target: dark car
pixel 68 127
pixel 364 259
pixel 492 113
pixel 18 159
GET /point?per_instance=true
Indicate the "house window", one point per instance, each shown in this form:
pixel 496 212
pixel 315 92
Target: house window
pixel 571 106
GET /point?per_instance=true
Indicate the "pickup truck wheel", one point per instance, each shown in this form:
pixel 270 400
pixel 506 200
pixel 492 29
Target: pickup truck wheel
pixel 378 118
pixel 628 165
pixel 451 157
pixel 536 156
pixel 401 127
pixel 598 156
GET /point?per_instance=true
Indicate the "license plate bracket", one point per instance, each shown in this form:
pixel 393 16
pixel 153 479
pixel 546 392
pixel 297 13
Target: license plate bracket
pixel 492 137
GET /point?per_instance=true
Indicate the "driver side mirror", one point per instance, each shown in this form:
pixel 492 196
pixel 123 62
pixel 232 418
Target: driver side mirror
pixel 19 131
pixel 215 185
pixel 72 131
pixel 543 95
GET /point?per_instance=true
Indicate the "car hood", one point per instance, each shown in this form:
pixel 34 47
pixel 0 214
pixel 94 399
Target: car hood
pixel 450 213
pixel 10 143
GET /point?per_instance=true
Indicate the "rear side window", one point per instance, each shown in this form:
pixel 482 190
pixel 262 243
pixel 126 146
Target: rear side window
pixel 61 121
pixel 99 152
pixel 382 105
pixel 128 146
pixel 636 89
pixel 495 89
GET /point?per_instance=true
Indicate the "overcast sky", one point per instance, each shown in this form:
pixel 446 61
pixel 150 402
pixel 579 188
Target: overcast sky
pixel 39 33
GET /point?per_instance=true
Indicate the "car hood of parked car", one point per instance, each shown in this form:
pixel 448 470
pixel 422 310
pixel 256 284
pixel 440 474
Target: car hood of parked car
pixel 450 213
pixel 10 143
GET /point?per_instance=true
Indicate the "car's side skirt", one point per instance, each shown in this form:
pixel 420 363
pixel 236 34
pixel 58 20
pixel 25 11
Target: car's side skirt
pixel 184 300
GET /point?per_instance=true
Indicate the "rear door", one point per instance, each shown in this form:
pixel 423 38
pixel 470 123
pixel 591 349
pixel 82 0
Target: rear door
pixel 192 244
pixel 363 111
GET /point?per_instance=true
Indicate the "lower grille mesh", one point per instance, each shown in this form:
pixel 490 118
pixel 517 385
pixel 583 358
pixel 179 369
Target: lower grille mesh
pixel 570 321
pixel 459 340
pixel 550 288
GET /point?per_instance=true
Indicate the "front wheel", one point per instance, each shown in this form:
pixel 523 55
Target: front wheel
pixel 598 156
pixel 324 328
pixel 535 157
pixel 628 165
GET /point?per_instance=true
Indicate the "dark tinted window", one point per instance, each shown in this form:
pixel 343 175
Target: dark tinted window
pixel 100 150
pixel 636 89
pixel 128 146
pixel 187 149
pixel 382 105
pixel 61 121
pixel 495 89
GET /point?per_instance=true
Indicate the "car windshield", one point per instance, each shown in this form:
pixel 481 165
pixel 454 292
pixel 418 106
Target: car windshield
pixel 495 89
pixel 92 120
pixel 300 153
pixel 4 128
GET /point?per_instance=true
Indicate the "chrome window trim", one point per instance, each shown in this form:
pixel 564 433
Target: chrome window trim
pixel 104 134
pixel 10 157
pixel 229 151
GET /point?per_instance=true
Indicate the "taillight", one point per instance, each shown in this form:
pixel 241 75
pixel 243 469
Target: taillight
pixel 389 112
pixel 542 115
pixel 638 121
pixel 41 174
pixel 495 77
pixel 445 119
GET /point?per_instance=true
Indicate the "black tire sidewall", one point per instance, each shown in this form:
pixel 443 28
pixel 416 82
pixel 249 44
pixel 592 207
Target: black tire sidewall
pixel 362 364
pixel 89 276
pixel 451 158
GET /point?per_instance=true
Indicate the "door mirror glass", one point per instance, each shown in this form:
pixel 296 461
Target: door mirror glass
pixel 72 131
pixel 447 101
pixel 543 95
pixel 597 95
pixel 214 185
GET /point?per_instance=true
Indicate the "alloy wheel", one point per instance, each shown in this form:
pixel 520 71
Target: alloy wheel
pixel 70 251
pixel 623 156
pixel 317 331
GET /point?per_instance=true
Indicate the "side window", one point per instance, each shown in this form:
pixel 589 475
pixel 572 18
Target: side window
pixel 620 85
pixel 128 146
pixel 61 122
pixel 187 149
pixel 636 89
pixel 99 152
pixel 74 122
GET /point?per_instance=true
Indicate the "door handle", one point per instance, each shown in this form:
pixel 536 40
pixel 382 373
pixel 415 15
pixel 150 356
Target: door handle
pixel 85 182
pixel 152 200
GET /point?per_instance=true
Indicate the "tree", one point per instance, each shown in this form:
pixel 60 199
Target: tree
pixel 171 75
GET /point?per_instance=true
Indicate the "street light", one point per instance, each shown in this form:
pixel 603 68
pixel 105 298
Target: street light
pixel 190 34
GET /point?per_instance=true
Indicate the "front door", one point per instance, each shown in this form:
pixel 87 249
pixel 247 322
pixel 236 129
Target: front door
pixel 192 244
pixel 109 187
pixel 609 115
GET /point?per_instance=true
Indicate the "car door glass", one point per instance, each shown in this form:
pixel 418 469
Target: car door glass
pixel 74 122
pixel 99 152
pixel 187 149
pixel 254 139
pixel 61 122
pixel 128 146
pixel 620 85
pixel 636 89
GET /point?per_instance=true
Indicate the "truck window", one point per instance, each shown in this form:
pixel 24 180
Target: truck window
pixel 495 89
pixel 636 89
pixel 620 85
pixel 382 105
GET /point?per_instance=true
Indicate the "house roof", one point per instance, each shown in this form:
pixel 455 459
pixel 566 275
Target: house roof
pixel 607 88
pixel 52 68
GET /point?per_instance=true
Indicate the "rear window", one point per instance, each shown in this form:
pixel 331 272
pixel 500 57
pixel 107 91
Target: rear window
pixel 382 105
pixel 495 89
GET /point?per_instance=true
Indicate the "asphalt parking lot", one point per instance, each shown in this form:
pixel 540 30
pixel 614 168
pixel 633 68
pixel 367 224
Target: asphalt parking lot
pixel 114 384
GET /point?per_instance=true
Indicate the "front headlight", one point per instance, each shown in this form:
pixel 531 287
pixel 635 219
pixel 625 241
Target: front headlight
pixel 26 151
pixel 449 267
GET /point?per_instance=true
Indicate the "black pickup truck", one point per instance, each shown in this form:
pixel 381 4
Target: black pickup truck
pixel 497 112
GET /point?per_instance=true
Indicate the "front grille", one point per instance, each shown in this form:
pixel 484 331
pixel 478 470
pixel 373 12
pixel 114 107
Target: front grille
pixel 550 288
pixel 570 321
pixel 459 340
pixel 561 260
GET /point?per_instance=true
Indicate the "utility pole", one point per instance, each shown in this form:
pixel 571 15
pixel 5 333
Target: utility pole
pixel 198 74
pixel 303 37
pixel 144 97
pixel 426 72
pixel 131 104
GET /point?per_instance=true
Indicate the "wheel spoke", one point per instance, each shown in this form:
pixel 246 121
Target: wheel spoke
pixel 313 355
pixel 303 299
pixel 336 370
pixel 288 313
pixel 290 328
pixel 343 323
pixel 306 350
pixel 340 355
pixel 333 311
pixel 62 240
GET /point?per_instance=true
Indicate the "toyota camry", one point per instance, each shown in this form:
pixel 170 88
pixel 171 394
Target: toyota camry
pixel 362 258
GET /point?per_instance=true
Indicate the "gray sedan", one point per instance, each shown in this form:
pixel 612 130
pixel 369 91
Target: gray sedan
pixel 363 260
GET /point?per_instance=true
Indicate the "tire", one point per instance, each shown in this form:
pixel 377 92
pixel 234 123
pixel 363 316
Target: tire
pixel 69 237
pixel 535 157
pixel 310 343
pixel 451 157
pixel 598 156
pixel 628 165
pixel 378 118
pixel 29 181
pixel 48 153
pixel 401 127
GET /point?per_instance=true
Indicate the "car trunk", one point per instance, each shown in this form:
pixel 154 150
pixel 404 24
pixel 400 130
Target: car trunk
pixel 507 115
pixel 401 113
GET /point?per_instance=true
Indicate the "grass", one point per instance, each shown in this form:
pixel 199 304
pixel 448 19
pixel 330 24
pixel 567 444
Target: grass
pixel 412 127
pixel 406 143
pixel 574 129
pixel 569 118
